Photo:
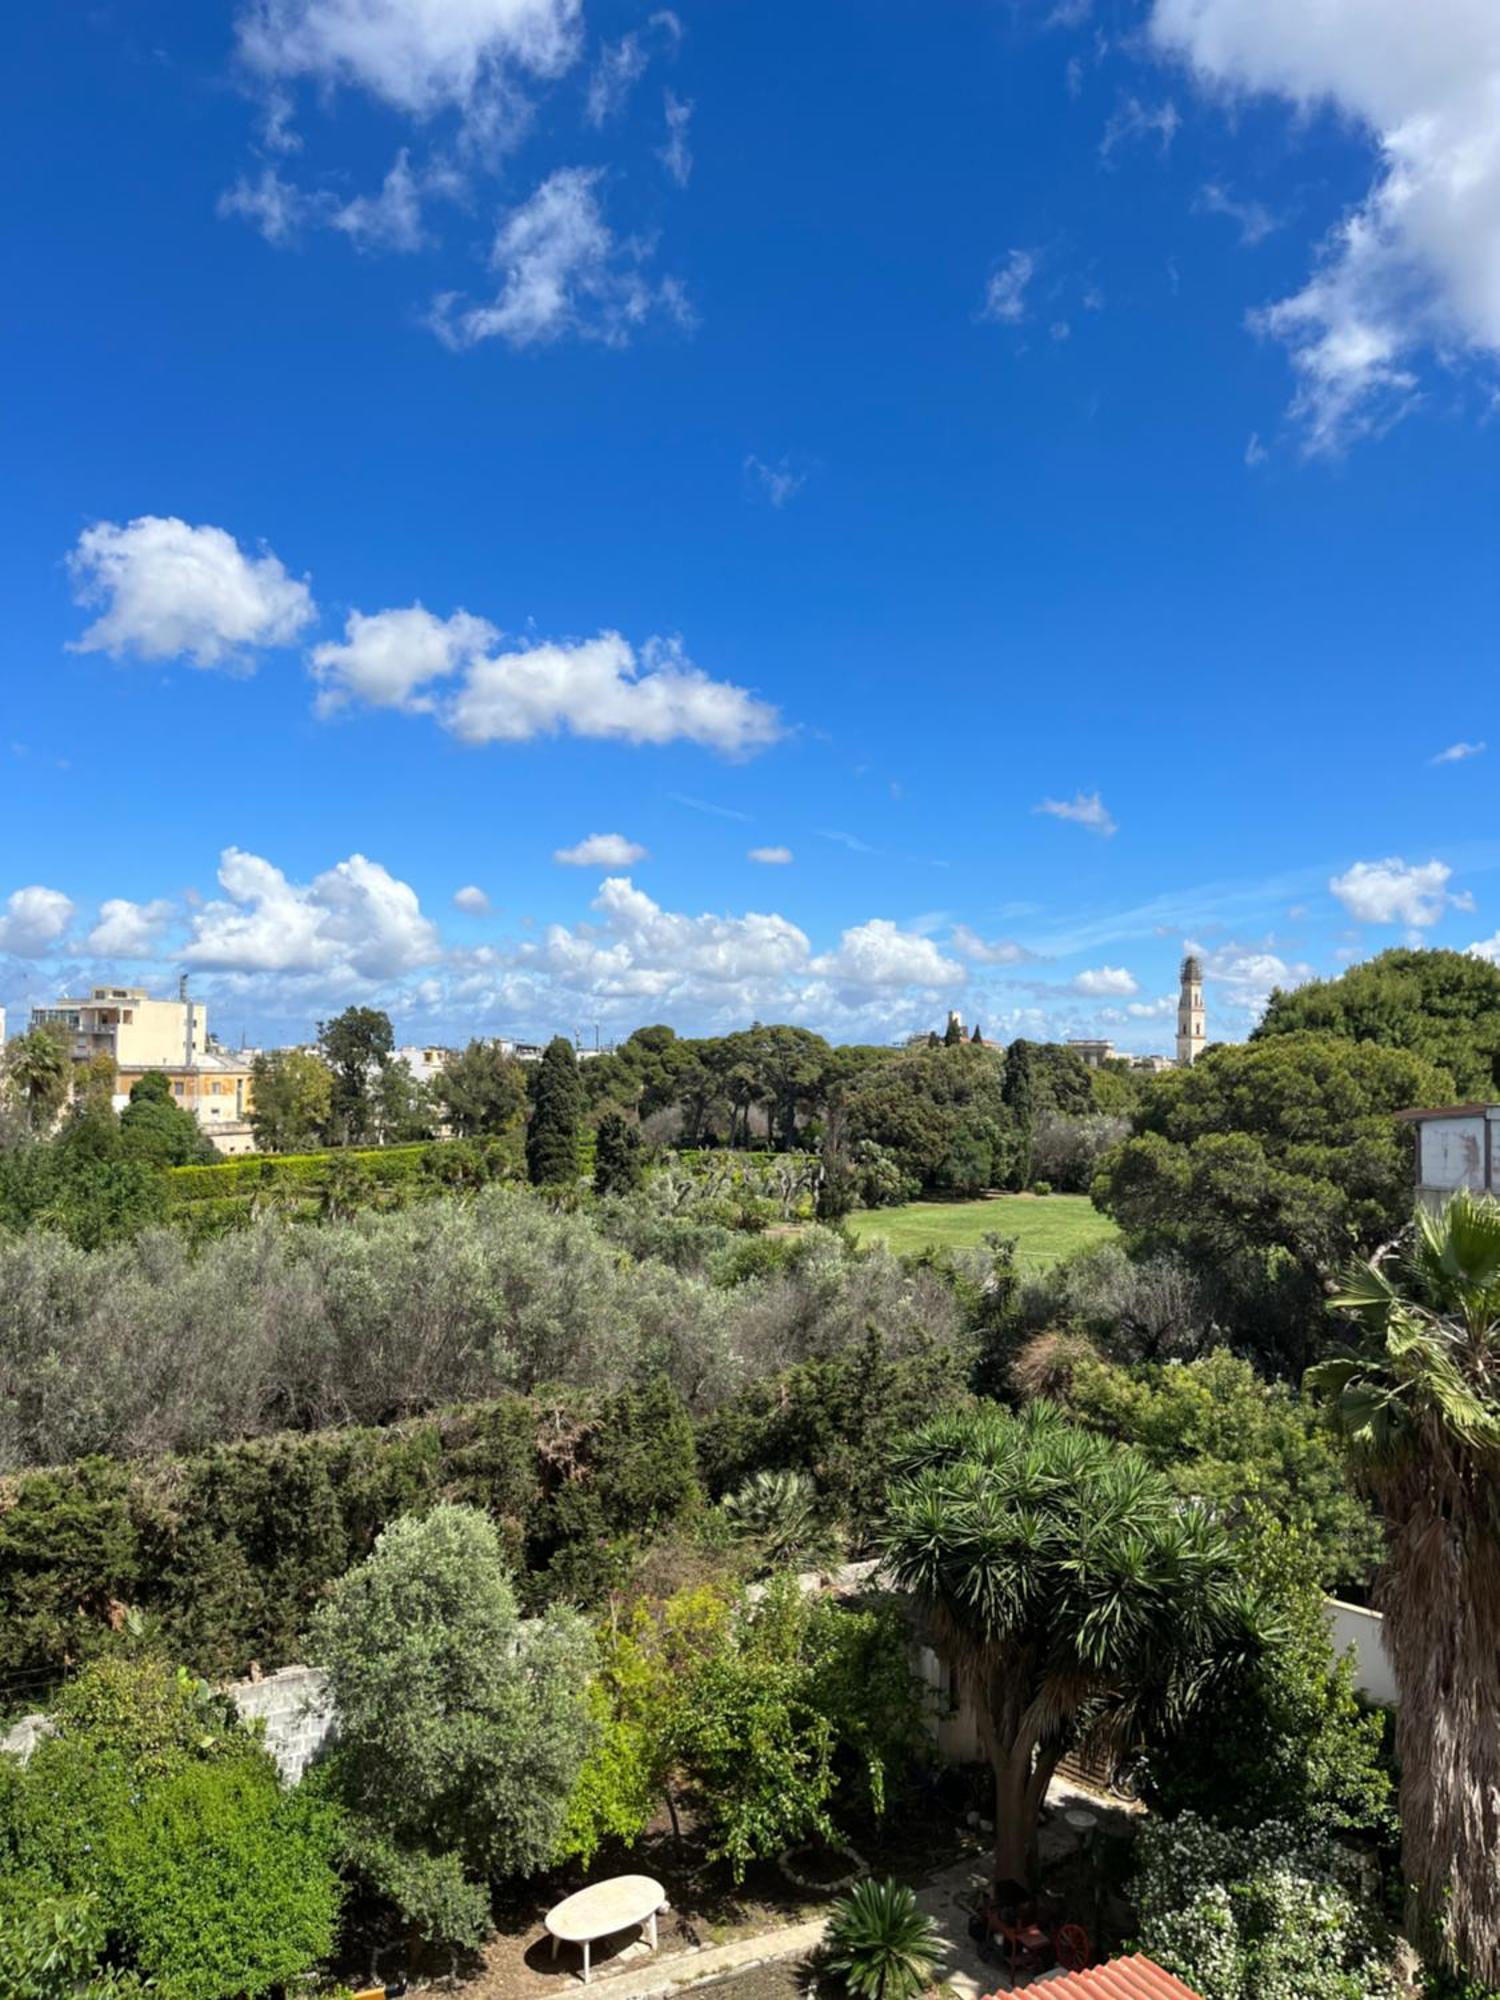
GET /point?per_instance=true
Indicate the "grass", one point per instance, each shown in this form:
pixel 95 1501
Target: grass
pixel 1046 1226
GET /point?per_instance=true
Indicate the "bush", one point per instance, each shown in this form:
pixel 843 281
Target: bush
pixel 1285 1736
pixel 461 1731
pixel 152 1822
pixel 880 1943
pixel 225 1884
pixel 1249 1915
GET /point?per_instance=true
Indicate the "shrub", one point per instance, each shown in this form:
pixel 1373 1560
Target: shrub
pixel 226 1884
pixel 880 1943
pixel 462 1732
pixel 1284 1737
pixel 779 1512
pixel 1248 1915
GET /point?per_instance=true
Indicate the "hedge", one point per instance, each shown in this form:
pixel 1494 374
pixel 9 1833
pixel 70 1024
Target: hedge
pixel 220 1555
pixel 223 1553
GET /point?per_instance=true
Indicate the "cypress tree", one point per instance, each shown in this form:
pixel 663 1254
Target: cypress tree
pixel 953 1034
pixel 1019 1092
pixel 556 1108
pixel 617 1155
pixel 976 1038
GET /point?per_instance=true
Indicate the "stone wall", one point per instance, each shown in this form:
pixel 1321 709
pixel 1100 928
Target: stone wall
pixel 294 1705
pixel 297 1712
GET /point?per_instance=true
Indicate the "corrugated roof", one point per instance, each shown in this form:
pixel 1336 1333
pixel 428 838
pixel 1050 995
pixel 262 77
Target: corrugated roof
pixel 1133 1978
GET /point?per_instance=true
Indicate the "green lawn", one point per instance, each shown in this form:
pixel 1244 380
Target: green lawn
pixel 1046 1226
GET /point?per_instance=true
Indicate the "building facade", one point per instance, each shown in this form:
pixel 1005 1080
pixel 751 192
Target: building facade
pixel 1192 1022
pixel 1457 1147
pixel 127 1025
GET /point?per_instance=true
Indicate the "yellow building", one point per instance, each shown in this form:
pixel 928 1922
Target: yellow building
pixel 140 1035
pixel 219 1090
pixel 135 1031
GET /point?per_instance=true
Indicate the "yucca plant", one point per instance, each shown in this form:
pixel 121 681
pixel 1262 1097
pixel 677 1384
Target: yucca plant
pixel 780 1511
pixel 880 1942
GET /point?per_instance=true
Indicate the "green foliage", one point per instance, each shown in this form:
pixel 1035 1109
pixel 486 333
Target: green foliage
pixel 153 1823
pixel 1226 1437
pixel 619 1166
pixel 292 1101
pixel 779 1512
pixel 1081 1594
pixel 462 1731
pixel 356 1046
pixel 836 1419
pixel 1266 1167
pixel 225 1883
pixel 1443 1006
pixel 1250 1915
pixel 36 1073
pixel 482 1090
pixel 1284 1737
pixel 880 1943
pixel 69 1553
pixel 50 1945
pixel 938 1113
pixel 556 1109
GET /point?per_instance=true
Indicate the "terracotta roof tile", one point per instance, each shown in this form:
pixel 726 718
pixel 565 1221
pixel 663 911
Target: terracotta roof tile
pixel 1133 1978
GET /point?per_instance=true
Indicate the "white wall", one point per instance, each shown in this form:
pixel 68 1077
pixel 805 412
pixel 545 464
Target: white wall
pixel 1352 1625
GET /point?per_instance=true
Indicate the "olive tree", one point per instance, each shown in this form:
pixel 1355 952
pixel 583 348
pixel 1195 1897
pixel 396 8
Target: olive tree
pixel 462 1728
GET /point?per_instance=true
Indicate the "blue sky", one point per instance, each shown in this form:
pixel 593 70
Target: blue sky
pixel 1024 472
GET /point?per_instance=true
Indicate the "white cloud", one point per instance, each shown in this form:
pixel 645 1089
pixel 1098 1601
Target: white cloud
pixel 472 900
pixel 618 68
pixel 778 483
pixel 1005 294
pixel 562 271
pixel 1457 752
pixel 128 930
pixel 601 850
pixel 388 658
pixel 770 857
pixel 1243 977
pixel 1084 809
pixel 877 953
pixel 277 207
pixel 390 220
pixel 353 921
pixel 1415 266
pixel 34 921
pixel 983 951
pixel 676 155
pixel 1131 119
pixel 639 950
pixel 173 591
pixel 1390 892
pixel 600 688
pixel 1160 1009
pixel 420 56
pixel 1106 982
pixel 1487 948
pixel 1253 219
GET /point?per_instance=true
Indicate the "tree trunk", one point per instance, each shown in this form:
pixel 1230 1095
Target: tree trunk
pixel 1015 1825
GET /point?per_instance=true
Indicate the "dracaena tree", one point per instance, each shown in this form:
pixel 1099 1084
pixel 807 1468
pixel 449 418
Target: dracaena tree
pixel 1417 1406
pixel 1078 1596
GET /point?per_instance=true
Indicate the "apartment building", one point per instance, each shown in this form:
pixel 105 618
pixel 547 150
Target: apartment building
pixel 126 1024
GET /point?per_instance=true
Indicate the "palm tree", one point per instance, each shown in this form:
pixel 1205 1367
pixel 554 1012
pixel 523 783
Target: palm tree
pixel 38 1072
pixel 1076 1594
pixel 1418 1408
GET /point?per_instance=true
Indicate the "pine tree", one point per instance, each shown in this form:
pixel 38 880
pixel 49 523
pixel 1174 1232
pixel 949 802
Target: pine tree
pixel 556 1108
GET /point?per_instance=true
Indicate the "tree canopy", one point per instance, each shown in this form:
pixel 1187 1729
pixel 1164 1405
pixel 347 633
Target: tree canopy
pixel 1077 1592
pixel 1441 1005
pixel 1267 1166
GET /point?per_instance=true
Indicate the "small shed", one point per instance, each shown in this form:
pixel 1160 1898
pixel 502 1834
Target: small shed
pixel 1458 1146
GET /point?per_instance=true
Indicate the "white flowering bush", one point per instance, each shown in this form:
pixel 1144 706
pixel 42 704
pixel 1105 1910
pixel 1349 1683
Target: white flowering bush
pixel 1266 1914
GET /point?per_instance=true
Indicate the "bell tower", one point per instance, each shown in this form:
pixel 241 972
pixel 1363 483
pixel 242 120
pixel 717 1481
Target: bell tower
pixel 1192 1027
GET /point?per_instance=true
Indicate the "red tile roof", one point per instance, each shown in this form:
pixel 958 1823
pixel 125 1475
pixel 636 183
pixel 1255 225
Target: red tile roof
pixel 1133 1978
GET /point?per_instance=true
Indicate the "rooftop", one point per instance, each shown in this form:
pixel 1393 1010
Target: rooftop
pixel 1133 1978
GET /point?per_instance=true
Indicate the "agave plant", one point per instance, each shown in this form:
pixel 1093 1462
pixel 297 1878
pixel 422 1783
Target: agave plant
pixel 778 1510
pixel 880 1942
